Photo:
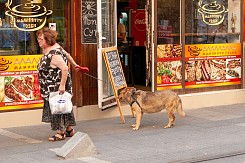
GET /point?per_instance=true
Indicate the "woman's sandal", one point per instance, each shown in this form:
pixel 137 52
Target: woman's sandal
pixel 70 133
pixel 57 138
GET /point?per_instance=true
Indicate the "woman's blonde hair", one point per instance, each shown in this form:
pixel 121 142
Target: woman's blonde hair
pixel 49 35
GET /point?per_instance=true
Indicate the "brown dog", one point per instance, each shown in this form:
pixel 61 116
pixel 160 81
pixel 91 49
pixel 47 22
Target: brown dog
pixel 152 102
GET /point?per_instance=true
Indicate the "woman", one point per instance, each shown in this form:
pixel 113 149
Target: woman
pixel 53 75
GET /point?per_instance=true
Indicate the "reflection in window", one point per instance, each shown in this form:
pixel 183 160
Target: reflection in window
pixel 108 35
pixel 108 39
pixel 168 25
pixel 209 22
pixel 14 41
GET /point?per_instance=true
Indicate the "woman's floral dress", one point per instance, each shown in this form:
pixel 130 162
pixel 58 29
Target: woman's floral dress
pixel 49 80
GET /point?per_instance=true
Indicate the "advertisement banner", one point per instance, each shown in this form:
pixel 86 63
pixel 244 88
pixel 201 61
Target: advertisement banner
pixel 19 87
pixel 212 65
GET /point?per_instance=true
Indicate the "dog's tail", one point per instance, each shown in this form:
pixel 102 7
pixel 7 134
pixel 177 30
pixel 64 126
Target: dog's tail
pixel 180 109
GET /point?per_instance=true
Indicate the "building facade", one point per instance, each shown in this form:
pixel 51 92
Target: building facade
pixel 192 47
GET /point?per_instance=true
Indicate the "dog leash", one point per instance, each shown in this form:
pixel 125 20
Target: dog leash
pixel 94 77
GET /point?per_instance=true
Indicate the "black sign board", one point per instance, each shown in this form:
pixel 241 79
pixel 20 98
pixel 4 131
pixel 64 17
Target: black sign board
pixel 89 21
pixel 114 68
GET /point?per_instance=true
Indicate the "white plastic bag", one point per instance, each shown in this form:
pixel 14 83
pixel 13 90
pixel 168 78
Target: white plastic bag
pixel 60 103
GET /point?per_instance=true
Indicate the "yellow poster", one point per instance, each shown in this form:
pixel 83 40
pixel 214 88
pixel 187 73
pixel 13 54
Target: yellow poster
pixel 212 65
pixel 169 66
pixel 19 87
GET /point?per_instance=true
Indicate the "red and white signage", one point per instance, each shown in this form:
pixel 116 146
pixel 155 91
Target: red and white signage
pixel 138 27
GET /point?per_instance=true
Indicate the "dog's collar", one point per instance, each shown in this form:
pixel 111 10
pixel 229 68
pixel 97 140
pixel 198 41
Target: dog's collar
pixel 134 100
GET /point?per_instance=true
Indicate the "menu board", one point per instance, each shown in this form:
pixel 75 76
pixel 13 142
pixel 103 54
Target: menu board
pixel 89 22
pixel 212 65
pixel 114 68
pixel 169 66
pixel 116 75
pixel 19 87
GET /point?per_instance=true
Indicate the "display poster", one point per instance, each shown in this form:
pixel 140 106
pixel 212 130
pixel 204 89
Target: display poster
pixel 169 66
pixel 212 65
pixel 19 87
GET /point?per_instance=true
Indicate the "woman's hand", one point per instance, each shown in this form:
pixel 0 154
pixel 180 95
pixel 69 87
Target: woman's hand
pixel 82 69
pixel 61 89
pixel 77 67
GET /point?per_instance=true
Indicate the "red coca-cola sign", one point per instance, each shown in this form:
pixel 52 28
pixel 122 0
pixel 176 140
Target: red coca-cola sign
pixel 139 21
pixel 138 27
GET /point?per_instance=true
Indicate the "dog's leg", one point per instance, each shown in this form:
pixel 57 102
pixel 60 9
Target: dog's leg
pixel 138 119
pixel 134 125
pixel 133 115
pixel 171 119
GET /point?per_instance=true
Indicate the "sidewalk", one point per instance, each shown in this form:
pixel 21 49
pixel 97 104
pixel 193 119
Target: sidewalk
pixel 204 133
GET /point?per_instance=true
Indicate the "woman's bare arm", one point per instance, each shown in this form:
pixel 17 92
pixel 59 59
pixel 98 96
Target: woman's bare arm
pixel 58 61
pixel 71 60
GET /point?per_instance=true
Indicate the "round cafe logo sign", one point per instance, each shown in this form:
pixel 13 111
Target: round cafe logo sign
pixel 139 21
pixel 29 16
pixel 212 13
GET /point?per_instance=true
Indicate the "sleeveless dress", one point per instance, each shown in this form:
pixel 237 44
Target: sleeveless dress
pixel 49 80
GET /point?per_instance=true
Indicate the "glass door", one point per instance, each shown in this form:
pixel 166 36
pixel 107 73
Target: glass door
pixel 106 37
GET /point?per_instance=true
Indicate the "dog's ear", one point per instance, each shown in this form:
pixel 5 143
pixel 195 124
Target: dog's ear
pixel 134 89
pixel 128 91
pixel 131 89
pixel 122 91
pixel 137 93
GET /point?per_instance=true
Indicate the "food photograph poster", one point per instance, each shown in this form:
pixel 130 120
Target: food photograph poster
pixel 19 87
pixel 212 65
pixel 169 66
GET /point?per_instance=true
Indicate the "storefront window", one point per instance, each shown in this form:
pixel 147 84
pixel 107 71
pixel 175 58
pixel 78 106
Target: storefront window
pixel 213 48
pixel 19 21
pixel 212 22
pixel 169 48
pixel 19 50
